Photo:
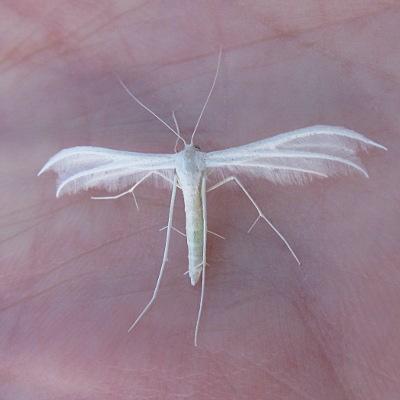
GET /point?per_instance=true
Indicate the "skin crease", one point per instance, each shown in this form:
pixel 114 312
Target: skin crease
pixel 75 273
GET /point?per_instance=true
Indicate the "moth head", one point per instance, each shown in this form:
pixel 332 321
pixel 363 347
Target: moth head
pixel 192 146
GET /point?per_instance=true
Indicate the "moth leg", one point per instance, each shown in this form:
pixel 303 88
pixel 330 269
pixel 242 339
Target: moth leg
pixel 174 229
pixel 165 257
pixel 260 213
pixel 215 234
pixel 183 234
pixel 203 274
pixel 131 190
pixel 197 266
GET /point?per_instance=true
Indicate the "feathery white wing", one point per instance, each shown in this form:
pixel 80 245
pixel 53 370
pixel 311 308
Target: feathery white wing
pixel 297 156
pixel 85 167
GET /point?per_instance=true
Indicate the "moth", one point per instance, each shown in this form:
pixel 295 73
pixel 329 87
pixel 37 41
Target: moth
pixel 294 157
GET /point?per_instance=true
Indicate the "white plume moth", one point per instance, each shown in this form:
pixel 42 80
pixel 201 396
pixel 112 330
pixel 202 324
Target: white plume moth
pixel 287 158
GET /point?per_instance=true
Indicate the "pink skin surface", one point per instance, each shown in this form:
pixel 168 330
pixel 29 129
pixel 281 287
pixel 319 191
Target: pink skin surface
pixel 75 273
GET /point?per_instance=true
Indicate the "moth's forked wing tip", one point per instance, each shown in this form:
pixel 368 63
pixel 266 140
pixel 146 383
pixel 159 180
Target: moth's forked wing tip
pixel 42 170
pixel 380 146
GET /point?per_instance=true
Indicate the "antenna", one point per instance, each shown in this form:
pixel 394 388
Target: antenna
pixel 151 112
pixel 209 94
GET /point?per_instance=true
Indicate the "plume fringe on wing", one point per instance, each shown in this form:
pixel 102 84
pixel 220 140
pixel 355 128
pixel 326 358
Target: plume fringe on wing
pixel 82 168
pixel 295 157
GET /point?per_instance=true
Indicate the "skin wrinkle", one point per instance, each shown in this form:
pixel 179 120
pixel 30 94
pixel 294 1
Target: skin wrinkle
pixel 339 21
pixel 318 335
pixel 39 219
pixel 355 63
pixel 40 293
pixel 72 261
pixel 42 216
pixel 259 364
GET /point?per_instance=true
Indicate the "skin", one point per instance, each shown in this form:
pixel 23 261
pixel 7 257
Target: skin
pixel 75 273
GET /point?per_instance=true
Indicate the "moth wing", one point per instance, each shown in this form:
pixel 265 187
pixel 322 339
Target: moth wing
pixel 85 167
pixel 297 156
